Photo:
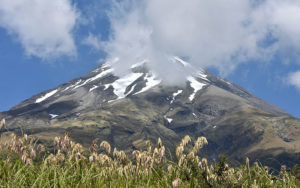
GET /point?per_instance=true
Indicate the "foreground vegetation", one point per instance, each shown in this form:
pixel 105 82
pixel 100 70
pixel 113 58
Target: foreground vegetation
pixel 26 164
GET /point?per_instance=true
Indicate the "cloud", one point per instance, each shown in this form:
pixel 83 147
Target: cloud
pixel 209 34
pixel 294 79
pixel 44 28
pixel 280 20
pixel 92 41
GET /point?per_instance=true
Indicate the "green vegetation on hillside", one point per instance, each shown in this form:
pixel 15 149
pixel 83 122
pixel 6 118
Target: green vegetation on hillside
pixel 24 163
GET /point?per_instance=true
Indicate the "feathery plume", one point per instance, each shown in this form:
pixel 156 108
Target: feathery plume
pixel 185 140
pixel 105 145
pixel 32 152
pixel 2 123
pixel 159 143
pixel 149 146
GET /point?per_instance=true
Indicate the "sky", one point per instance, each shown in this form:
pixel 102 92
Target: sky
pixel 253 43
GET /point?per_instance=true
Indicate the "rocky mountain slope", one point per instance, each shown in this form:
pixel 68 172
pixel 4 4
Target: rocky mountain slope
pixel 130 109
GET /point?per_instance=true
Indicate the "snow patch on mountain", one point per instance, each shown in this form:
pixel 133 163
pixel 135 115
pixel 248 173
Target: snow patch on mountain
pixel 175 95
pixel 168 119
pixel 202 75
pixel 151 81
pixel 106 86
pixel 196 85
pixel 71 86
pixel 53 116
pixel 121 84
pixel 41 99
pixel 93 88
pixel 100 75
pixel 67 88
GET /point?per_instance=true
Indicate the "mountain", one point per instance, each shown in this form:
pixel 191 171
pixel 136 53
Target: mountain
pixel 130 109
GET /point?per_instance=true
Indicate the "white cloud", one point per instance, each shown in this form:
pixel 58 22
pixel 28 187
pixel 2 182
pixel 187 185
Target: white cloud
pixel 44 27
pixel 215 33
pixel 294 79
pixel 280 18
pixel 92 41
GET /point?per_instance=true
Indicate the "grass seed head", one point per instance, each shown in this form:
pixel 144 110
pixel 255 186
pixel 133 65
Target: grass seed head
pixel 162 151
pixel 149 146
pixel 136 153
pixel 181 161
pixel 105 145
pixel 179 150
pixel 185 140
pixel 266 169
pixel 41 148
pixel 159 143
pixel 94 146
pixel 32 152
pixel 51 159
pixel 148 161
pixel 105 160
pixel 15 137
pixel 26 159
pixel 248 166
pixel 254 185
pixel 191 155
pixel 247 163
pixel 200 165
pixel 2 123
pixel 92 157
pixel 78 148
pixel 78 156
pixel 283 170
pixel 231 171
pixel 175 183
pixel 56 141
pixel 199 143
pixel 170 169
pixel 204 162
pixel 155 152
pixel 257 168
pixel 60 157
pixel 25 137
pixel 67 138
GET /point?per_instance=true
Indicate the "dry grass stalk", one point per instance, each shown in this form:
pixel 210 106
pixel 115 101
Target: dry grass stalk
pixel 2 124
pixel 248 166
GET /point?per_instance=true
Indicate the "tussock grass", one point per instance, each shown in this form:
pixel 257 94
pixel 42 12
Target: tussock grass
pixel 27 164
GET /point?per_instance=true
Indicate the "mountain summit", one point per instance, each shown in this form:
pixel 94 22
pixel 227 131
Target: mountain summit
pixel 130 109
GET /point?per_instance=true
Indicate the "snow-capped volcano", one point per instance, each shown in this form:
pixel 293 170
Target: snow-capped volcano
pixel 129 109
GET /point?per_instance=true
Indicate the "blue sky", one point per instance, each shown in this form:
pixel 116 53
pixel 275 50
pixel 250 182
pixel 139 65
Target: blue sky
pixel 36 55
